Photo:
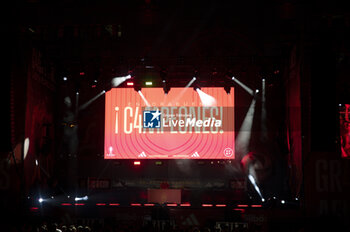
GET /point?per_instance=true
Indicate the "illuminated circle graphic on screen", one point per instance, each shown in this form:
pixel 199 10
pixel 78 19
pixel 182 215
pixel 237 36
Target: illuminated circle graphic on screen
pixel 228 152
pixel 179 125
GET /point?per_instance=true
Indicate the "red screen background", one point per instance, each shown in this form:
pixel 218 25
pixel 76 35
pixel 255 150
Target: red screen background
pixel 164 145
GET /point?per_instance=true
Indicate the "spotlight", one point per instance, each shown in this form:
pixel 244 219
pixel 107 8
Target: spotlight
pixel 116 81
pixel 40 200
pixel 263 79
pixel 94 83
pixel 130 83
pixel 256 91
pixel 227 89
pixel 148 83
pixel 283 201
pixel 77 93
pixel 52 197
pixel 36 162
pixel 339 104
pixel 166 90
pixel 137 88
pixel 65 78
pixel 191 82
pixel 195 84
pixel 263 199
pixel 103 91
pixel 81 198
pixel 137 163
pixel 163 81
pixel 246 88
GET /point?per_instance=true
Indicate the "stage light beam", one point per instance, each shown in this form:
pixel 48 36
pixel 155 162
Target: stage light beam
pixel 92 100
pixel 116 81
pixel 244 134
pixel 256 187
pixel 184 89
pixel 25 148
pixel 191 82
pixel 143 98
pixel 246 88
pixel 206 99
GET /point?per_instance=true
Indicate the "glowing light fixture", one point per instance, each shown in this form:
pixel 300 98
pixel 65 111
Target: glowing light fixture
pixel 137 163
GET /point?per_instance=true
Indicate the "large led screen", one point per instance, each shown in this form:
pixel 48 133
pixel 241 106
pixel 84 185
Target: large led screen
pixel 183 124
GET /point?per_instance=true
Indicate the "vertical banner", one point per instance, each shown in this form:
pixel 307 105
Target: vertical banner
pixel 344 126
pixel 39 116
pixel 293 111
pixel 327 179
